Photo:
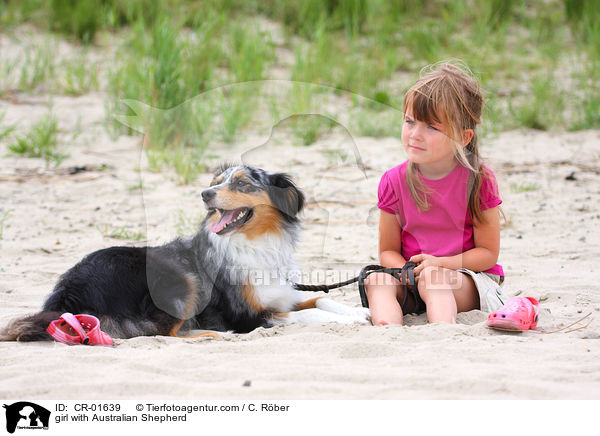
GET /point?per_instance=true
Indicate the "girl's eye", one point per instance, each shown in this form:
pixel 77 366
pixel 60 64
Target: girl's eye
pixel 433 127
pixel 407 121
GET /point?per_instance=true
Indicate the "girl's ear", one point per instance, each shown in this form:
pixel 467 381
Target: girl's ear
pixel 467 136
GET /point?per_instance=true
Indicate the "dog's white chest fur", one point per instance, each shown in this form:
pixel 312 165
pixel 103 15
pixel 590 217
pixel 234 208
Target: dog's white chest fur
pixel 265 263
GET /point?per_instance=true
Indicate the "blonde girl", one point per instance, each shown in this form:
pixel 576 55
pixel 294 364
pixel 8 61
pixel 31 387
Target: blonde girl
pixel 439 208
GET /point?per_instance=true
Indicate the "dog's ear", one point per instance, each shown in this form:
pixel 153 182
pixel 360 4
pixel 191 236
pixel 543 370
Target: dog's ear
pixel 220 169
pixel 285 195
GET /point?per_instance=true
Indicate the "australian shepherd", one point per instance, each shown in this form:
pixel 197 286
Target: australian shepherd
pixel 235 274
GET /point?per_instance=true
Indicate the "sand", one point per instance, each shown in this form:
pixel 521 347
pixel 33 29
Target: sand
pixel 550 248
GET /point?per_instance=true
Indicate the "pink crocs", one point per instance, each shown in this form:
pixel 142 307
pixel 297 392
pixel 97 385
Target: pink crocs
pixel 78 329
pixel 518 314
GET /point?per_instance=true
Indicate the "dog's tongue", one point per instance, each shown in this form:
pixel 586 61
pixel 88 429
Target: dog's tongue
pixel 226 218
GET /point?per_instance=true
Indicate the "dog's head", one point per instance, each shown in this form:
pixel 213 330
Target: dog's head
pixel 251 201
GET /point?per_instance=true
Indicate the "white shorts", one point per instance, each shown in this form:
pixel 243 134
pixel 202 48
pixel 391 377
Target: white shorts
pixel 489 286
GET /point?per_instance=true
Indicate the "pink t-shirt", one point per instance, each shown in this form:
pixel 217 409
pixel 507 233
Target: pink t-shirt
pixel 446 228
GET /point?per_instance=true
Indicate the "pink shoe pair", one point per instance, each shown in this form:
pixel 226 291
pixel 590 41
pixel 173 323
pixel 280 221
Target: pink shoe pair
pixel 78 329
pixel 518 314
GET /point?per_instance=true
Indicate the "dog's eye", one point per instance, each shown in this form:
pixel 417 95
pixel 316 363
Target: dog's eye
pixel 240 182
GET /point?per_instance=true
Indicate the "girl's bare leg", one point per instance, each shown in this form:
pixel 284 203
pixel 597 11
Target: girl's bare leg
pixel 383 294
pixel 447 292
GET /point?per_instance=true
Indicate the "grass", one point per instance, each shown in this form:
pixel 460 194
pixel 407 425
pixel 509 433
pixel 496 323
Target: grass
pixel 40 141
pixel 174 51
pixel 79 75
pixel 541 107
pixel 3 217
pixel 39 71
pixel 121 233
pixel 38 65
pixel 188 225
pixel 309 128
pixel 185 162
pixel 250 52
pixel 5 131
pixel 525 187
pixel 377 124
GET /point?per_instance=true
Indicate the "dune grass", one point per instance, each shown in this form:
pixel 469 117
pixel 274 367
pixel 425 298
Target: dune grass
pixel 3 217
pixel 5 130
pixel 40 141
pixel 539 62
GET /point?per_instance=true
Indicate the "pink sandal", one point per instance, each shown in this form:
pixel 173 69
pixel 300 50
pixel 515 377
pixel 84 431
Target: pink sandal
pixel 518 314
pixel 78 329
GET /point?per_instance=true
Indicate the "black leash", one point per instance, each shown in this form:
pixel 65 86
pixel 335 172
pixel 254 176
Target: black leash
pixel 404 275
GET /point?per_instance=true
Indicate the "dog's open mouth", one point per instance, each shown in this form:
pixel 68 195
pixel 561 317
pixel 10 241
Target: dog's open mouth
pixel 231 219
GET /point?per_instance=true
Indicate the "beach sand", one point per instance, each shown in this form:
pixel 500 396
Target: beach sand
pixel 550 248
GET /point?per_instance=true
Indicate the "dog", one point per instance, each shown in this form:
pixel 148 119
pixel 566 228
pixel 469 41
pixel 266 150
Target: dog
pixel 232 276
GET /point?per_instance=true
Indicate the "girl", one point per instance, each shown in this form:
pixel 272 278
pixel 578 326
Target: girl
pixel 439 208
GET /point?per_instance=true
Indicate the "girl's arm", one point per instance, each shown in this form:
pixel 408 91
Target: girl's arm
pixel 389 241
pixel 483 257
pixel 487 245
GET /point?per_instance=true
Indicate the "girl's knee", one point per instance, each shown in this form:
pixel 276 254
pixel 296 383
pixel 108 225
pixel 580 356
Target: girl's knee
pixel 434 281
pixel 380 279
pixel 385 321
pixel 433 275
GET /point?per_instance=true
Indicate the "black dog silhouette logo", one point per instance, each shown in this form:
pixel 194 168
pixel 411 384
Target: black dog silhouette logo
pixel 26 415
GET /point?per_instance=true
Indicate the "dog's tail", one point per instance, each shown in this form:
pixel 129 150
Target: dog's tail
pixel 29 328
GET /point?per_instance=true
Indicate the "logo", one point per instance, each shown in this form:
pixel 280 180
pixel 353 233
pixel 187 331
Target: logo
pixel 25 415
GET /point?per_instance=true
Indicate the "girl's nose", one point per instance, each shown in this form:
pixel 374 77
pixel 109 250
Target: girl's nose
pixel 416 131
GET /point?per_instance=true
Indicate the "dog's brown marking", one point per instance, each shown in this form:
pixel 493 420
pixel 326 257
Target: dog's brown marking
pixel 175 328
pixel 308 304
pixel 174 332
pixel 250 297
pixel 217 181
pixel 266 219
pixel 229 200
pixel 238 175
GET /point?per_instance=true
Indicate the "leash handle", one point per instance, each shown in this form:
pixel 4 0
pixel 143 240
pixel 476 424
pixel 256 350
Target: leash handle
pixel 404 275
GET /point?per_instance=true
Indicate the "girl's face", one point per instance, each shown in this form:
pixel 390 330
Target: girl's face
pixel 427 143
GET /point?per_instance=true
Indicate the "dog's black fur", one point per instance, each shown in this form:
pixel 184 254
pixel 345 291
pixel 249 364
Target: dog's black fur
pixel 137 291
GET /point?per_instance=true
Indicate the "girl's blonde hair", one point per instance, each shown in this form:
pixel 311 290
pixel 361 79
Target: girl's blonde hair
pixel 447 93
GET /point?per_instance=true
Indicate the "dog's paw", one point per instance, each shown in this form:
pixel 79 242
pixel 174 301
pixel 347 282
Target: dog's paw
pixel 353 314
pixel 364 314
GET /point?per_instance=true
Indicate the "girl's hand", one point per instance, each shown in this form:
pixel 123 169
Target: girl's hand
pixel 422 260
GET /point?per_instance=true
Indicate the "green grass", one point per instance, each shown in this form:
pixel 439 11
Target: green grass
pixel 309 128
pixel 541 107
pixel 38 65
pixel 78 75
pixel 188 224
pixel 539 63
pixel 5 131
pixel 185 162
pixel 525 187
pixel 40 141
pixel 377 124
pixel 251 51
pixel 39 71
pixel 121 233
pixel 3 217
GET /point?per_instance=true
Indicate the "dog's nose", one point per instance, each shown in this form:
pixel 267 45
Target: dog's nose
pixel 208 194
